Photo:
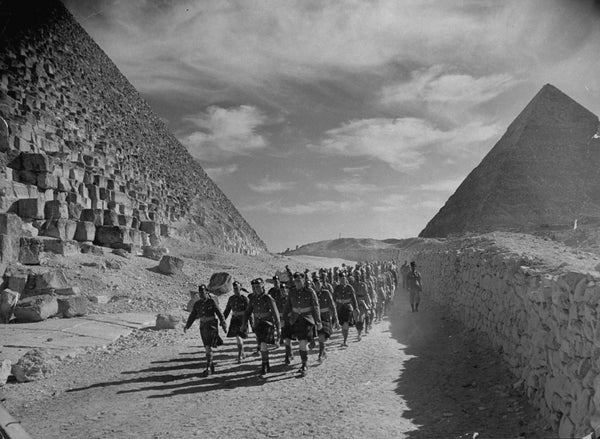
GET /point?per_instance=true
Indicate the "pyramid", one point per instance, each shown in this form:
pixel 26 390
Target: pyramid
pixel 544 171
pixel 79 145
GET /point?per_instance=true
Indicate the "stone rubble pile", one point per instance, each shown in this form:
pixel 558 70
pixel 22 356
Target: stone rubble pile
pixel 545 323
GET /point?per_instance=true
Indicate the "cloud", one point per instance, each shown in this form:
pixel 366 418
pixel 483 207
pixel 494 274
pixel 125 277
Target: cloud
pixel 311 207
pixel 351 187
pixel 449 185
pixel 225 132
pixel 402 143
pixel 355 169
pixel 433 85
pixel 267 186
pixel 390 203
pixel 221 171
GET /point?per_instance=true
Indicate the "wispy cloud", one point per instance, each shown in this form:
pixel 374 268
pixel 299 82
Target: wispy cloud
pixel 311 207
pixel 267 186
pixel 448 185
pixel 219 172
pixel 390 203
pixel 355 169
pixel 402 143
pixel 225 132
pixel 347 187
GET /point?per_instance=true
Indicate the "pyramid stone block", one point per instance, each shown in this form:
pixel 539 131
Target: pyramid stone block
pixel 31 208
pixel 56 210
pixel 86 231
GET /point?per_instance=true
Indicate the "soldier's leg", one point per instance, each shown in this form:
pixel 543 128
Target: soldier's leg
pixel 209 361
pixel 288 351
pixel 264 353
pixel 240 347
pixel 345 329
pixel 322 352
pixel 303 346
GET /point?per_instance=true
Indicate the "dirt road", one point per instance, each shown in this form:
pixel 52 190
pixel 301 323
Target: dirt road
pixel 416 375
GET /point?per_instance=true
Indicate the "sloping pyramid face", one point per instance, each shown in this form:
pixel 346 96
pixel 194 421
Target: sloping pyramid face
pixel 75 131
pixel 544 171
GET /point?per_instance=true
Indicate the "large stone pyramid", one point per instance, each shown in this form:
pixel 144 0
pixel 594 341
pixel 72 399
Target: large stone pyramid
pixel 83 157
pixel 544 171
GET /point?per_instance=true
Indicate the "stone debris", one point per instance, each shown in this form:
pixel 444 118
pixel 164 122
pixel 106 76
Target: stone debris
pixel 170 265
pixel 155 253
pixel 5 371
pixel 36 364
pixel 8 302
pixel 220 283
pixel 167 321
pixel 36 308
pixel 72 306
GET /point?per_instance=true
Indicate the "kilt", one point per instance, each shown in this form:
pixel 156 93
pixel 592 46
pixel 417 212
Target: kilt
pixel 326 329
pixel 236 329
pixel 345 314
pixel 287 332
pixel 209 332
pixel 303 329
pixel 265 332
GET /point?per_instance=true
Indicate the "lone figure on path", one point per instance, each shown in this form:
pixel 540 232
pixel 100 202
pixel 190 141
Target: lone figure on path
pixel 207 311
pixel 414 287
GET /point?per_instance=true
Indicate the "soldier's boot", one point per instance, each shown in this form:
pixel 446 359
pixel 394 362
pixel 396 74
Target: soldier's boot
pixel 304 357
pixel 288 355
pixel 322 354
pixel 263 368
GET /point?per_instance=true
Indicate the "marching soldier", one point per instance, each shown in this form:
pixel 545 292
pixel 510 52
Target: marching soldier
pixel 329 317
pixel 207 311
pixel 237 305
pixel 266 321
pixel 347 305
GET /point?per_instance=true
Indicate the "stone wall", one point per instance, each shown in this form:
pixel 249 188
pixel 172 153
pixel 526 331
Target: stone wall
pixel 79 145
pixel 543 317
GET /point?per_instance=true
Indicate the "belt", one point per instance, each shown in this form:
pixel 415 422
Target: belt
pixel 343 301
pixel 238 313
pixel 262 315
pixel 302 310
pixel 207 319
pixel 324 310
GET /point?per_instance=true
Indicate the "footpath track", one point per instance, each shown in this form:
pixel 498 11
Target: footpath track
pixel 416 375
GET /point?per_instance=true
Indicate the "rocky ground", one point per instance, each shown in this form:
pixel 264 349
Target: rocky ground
pixel 417 375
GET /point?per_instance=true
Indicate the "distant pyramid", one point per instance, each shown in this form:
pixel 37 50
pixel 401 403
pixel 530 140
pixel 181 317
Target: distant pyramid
pixel 545 170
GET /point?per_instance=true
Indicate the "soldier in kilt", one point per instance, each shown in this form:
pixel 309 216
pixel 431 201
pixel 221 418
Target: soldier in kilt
pixel 347 305
pixel 263 309
pixel 207 311
pixel 329 317
pixel 237 305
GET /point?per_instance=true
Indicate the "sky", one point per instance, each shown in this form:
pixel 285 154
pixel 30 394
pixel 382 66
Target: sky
pixel 327 119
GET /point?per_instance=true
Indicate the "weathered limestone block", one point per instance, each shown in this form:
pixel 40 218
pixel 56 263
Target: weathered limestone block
pixel 72 306
pixel 31 208
pixel 9 250
pixel 125 220
pixel 35 365
pixel 167 321
pixel 75 211
pixel 220 283
pixel 35 162
pixel 16 279
pixel 150 227
pixel 10 224
pixel 136 237
pixel 46 180
pixel 164 230
pixel 155 253
pixel 5 371
pixel 46 282
pixel 111 218
pixel 68 291
pixel 170 265
pixel 61 229
pixel 93 191
pixel 88 247
pixel 109 235
pixel 29 250
pixel 56 210
pixel 61 247
pixel 85 231
pixel 154 240
pixel 95 216
pixel 36 308
pixel 8 301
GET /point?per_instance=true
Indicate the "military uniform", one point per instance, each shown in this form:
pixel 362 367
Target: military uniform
pixel 328 311
pixel 207 311
pixel 266 317
pixel 413 285
pixel 280 297
pixel 237 305
pixel 302 312
pixel 345 299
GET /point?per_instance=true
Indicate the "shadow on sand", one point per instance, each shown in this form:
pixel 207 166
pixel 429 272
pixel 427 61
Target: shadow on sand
pixel 454 385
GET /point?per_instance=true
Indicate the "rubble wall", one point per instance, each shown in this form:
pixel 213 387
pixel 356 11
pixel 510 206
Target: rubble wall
pixel 74 130
pixel 544 321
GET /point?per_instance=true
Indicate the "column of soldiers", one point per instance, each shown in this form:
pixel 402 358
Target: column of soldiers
pixel 304 308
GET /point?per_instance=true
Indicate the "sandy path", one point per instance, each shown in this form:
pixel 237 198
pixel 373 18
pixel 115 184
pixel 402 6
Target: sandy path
pixel 415 376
